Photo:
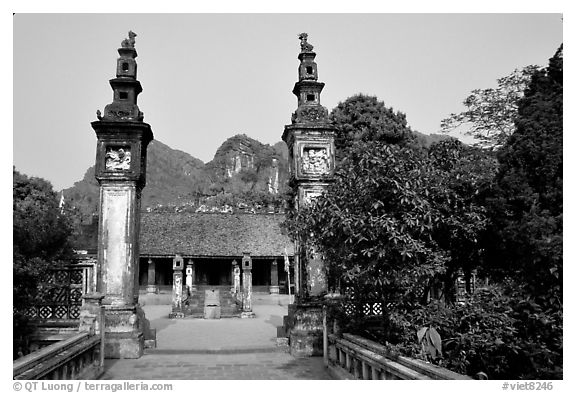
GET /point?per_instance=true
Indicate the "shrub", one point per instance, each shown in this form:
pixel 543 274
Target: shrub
pixel 497 331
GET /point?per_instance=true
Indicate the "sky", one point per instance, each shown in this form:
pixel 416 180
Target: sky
pixel 207 77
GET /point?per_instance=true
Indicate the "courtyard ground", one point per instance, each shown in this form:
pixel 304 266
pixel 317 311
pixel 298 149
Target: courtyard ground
pixel 228 348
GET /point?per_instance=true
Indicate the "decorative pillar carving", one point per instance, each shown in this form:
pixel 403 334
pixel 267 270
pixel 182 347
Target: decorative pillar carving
pixel 120 168
pixel 237 291
pixel 233 288
pixel 310 140
pixel 177 267
pixel 247 286
pixel 151 287
pixel 191 277
pixel 274 289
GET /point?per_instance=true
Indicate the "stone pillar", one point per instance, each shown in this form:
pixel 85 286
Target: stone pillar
pixel 90 313
pixel 274 289
pixel 151 287
pixel 120 169
pixel 190 278
pixel 247 286
pixel 237 290
pixel 177 307
pixel 92 321
pixel 310 141
pixel 233 288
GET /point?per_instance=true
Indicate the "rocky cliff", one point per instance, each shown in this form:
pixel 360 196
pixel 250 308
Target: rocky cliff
pixel 243 171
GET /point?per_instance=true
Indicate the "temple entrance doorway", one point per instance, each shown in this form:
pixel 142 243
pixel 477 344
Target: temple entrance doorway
pixel 214 272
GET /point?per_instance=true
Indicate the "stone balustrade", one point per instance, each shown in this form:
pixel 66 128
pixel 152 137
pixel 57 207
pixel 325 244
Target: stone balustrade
pixel 77 357
pixel 354 357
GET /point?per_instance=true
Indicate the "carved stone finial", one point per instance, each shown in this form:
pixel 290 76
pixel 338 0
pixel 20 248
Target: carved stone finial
pixel 304 45
pixel 99 114
pixel 130 41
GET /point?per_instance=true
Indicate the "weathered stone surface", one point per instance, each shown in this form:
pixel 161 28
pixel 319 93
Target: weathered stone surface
pixel 305 343
pixel 212 312
pixel 117 238
pixel 124 345
pixel 91 313
pixel 124 336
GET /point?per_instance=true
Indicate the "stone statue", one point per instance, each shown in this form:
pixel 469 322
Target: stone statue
pixel 304 45
pixel 130 41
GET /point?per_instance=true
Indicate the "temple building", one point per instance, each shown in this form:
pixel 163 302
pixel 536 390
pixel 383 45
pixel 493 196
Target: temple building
pixel 211 244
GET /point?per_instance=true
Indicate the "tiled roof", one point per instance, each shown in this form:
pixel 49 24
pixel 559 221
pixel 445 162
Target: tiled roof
pixel 213 234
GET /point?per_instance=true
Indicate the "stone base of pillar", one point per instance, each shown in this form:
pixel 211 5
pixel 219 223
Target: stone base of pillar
pixel 124 332
pixel 153 289
pixel 123 345
pixel 274 290
pixel 305 329
pixel 247 314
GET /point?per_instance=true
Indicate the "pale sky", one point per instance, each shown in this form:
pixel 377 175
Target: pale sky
pixel 207 77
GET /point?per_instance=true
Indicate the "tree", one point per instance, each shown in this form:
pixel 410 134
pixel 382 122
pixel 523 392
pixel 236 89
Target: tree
pixel 396 219
pixel 463 179
pixel 526 219
pixel 490 113
pixel 524 238
pixel 364 118
pixel 40 235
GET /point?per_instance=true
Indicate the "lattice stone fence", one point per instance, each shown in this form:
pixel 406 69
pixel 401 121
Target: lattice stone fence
pixel 55 312
pixel 60 295
pixel 78 356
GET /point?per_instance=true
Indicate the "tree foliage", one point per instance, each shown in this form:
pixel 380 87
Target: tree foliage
pixel 40 234
pixel 365 118
pixel 497 332
pixel 525 240
pixel 397 219
pixel 490 113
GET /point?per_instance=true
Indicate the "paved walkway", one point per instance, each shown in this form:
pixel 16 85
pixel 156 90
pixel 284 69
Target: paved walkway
pixel 228 348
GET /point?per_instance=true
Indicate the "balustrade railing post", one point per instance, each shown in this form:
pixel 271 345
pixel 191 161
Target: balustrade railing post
pixel 102 341
pixel 375 375
pixel 365 371
pixel 348 361
pixel 325 335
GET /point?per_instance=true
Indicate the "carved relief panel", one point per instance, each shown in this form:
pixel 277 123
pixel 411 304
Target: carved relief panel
pixel 117 158
pixel 314 160
pixel 308 193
